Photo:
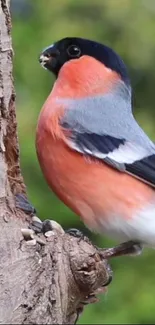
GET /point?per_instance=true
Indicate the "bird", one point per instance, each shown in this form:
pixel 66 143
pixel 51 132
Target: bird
pixel 92 152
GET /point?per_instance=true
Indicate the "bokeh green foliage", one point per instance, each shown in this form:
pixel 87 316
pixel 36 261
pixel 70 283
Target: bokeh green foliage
pixel 129 27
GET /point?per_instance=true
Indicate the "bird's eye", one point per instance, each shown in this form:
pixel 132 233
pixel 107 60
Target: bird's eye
pixel 74 51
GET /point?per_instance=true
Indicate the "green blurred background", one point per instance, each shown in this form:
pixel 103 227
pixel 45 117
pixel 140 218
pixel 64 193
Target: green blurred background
pixel 129 27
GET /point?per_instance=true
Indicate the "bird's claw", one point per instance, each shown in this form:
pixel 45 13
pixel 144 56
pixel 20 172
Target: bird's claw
pixel 74 232
pixel 22 203
pixel 36 225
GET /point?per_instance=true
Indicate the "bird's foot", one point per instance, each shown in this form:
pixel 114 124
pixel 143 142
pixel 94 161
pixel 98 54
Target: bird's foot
pixel 45 227
pixel 130 248
pixel 78 234
pixel 75 232
pixel 37 227
pixel 22 203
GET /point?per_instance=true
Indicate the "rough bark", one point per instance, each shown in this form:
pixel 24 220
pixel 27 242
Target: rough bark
pixel 40 283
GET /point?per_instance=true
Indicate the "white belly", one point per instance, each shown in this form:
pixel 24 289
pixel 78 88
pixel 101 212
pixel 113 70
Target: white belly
pixel 141 227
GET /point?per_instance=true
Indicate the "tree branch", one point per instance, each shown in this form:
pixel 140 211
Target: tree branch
pixel 46 280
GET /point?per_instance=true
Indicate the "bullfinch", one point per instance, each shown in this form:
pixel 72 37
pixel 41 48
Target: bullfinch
pixel 92 152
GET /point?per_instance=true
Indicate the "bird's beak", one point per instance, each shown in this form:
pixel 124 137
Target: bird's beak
pixel 48 58
pixel 43 59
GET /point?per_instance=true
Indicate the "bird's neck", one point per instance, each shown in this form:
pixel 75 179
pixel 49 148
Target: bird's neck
pixel 85 77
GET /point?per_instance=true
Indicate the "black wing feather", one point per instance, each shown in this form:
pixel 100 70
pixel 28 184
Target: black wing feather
pixel 97 142
pixel 143 169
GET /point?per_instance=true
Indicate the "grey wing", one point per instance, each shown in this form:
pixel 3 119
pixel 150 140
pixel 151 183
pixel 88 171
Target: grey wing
pixel 118 141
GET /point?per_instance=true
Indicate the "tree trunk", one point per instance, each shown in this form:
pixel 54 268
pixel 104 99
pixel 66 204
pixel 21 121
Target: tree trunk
pixel 46 280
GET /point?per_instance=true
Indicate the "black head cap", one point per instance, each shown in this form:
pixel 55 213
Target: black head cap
pixel 70 48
